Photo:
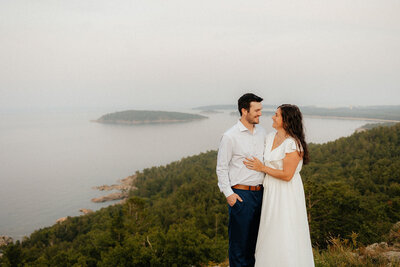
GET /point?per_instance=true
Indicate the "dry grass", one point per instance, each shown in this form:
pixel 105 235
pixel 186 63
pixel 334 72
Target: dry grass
pixel 222 264
pixel 344 253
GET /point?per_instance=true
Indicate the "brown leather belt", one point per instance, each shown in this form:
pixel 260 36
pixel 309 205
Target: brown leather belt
pixel 248 187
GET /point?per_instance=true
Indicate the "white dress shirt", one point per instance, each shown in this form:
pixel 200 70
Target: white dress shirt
pixel 237 144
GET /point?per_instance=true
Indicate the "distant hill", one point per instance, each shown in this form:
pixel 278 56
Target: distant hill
pixel 148 116
pixel 210 111
pixel 216 107
pixel 390 113
pixel 228 107
pixel 370 126
pixel 178 215
pixel 381 113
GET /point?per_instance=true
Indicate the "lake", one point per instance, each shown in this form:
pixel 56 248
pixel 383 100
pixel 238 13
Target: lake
pixel 50 161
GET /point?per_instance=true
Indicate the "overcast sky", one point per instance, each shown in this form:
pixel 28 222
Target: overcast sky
pixel 172 54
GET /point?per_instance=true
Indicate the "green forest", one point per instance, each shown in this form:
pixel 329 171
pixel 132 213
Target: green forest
pixel 178 216
pixel 147 116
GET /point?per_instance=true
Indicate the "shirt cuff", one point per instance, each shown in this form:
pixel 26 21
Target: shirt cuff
pixel 227 191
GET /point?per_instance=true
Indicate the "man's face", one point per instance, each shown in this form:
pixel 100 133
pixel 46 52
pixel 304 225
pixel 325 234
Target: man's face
pixel 254 113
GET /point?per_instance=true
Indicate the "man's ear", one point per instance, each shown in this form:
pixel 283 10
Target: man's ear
pixel 244 111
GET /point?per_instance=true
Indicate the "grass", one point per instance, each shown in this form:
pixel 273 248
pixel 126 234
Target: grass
pixel 343 253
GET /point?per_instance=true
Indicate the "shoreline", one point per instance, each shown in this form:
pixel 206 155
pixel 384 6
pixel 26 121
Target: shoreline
pixel 349 118
pixel 118 186
pixel 144 122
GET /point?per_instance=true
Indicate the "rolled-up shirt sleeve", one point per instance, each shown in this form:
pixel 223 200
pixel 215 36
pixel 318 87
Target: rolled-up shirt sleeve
pixel 223 160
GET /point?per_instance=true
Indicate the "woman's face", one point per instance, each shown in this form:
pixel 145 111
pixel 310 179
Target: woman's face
pixel 277 119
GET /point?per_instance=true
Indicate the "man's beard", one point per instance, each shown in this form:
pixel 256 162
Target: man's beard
pixel 253 120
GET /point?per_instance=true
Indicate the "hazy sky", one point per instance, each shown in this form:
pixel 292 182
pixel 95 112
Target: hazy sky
pixel 139 54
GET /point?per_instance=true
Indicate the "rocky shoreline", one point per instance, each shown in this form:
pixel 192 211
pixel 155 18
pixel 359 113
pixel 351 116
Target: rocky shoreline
pixel 110 197
pixel 5 241
pixel 123 186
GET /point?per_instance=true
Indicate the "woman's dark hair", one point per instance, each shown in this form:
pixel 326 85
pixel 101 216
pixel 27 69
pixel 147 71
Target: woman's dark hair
pixel 293 124
pixel 245 100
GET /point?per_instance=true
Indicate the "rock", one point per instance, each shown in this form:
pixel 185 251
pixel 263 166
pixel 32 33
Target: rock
pixel 113 196
pixel 390 251
pixel 377 246
pixel 107 187
pixel 86 211
pixel 394 234
pixel 5 240
pixel 383 245
pixel 128 180
pixel 375 249
pixel 382 249
pixel 360 130
pixel 392 255
pixel 62 219
pixel 123 201
pixel 124 185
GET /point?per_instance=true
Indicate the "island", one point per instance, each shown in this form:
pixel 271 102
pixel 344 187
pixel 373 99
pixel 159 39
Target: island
pixel 147 116
pixel 210 111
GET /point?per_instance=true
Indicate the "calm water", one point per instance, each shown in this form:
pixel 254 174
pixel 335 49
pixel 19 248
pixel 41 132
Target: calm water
pixel 49 162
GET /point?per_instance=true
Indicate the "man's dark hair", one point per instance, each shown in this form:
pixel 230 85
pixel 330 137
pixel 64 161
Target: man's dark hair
pixel 245 100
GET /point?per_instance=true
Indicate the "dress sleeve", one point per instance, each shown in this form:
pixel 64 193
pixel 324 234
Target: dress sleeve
pixel 290 146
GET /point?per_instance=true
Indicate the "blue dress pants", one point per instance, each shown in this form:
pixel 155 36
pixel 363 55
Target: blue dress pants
pixel 244 220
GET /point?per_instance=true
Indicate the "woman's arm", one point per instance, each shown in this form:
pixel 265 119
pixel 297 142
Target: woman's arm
pixel 290 163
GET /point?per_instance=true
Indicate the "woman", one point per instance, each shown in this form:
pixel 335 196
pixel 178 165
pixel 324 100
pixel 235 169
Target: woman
pixel 283 236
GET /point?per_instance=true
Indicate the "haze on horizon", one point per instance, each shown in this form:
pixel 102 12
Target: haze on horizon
pixel 143 54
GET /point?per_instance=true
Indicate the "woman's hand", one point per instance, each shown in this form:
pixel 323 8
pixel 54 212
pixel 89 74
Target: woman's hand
pixel 254 164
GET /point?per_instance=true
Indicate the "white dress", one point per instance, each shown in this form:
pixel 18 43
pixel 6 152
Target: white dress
pixel 284 236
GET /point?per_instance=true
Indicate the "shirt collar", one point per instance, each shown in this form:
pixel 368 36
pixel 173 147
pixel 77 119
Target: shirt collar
pixel 243 128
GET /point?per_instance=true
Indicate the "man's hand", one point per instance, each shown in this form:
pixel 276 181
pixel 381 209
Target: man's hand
pixel 233 198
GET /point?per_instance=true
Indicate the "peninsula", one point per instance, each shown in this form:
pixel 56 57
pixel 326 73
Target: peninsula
pixel 147 116
pixel 372 113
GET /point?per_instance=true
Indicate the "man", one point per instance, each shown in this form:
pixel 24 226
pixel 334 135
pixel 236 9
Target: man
pixel 242 186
